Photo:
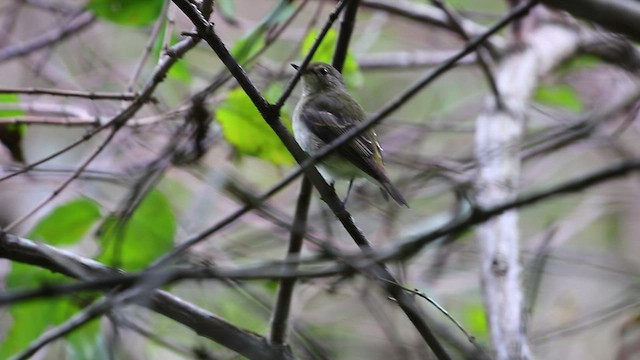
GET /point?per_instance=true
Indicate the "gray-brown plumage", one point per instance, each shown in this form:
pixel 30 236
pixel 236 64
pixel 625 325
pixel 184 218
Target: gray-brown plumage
pixel 326 111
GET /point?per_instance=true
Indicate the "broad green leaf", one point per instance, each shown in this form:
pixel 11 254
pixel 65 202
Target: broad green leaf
pixel 11 134
pixel 246 130
pixel 64 225
pixel 24 276
pixel 351 70
pixel 127 12
pixel 559 95
pixel 146 235
pixel 31 318
pixel 67 224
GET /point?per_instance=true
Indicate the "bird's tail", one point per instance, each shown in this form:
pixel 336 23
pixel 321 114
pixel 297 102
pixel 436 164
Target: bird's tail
pixel 388 188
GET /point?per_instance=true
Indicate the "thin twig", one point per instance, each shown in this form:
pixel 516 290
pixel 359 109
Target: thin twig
pixel 77 23
pixel 426 14
pixel 119 120
pixel 23 250
pixel 483 60
pixel 89 313
pixel 157 26
pixel 64 185
pixel 279 321
pixel 71 93
pixel 307 59
pixel 199 320
pixel 478 215
pixel 469 337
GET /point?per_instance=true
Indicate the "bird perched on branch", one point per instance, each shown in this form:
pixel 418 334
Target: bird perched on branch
pixel 326 111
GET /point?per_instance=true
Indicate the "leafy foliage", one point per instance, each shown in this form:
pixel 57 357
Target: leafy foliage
pixel 179 71
pixel 11 134
pixel 145 236
pixel 31 319
pixel 559 95
pixel 127 12
pixel 67 224
pixel 247 131
pixel 249 44
pixel 351 71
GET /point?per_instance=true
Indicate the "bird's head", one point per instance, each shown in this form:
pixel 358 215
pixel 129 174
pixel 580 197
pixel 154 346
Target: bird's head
pixel 319 77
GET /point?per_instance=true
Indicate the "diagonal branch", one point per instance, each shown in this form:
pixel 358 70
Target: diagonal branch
pixel 75 25
pixel 616 15
pixel 271 116
pixel 285 290
pixel 199 320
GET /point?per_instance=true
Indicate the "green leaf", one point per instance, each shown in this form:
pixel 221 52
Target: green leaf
pixel 249 45
pixel 11 134
pixel 351 71
pixel 87 344
pixel 271 286
pixel 580 62
pixel 67 224
pixel 235 310
pixel 24 276
pixel 281 12
pixel 31 318
pixel 475 320
pixel 148 234
pixel 178 71
pixel 227 9
pixel 246 130
pixel 10 99
pixel 127 12
pixel 559 95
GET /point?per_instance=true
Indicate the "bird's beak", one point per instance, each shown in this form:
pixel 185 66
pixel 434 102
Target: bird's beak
pixel 295 66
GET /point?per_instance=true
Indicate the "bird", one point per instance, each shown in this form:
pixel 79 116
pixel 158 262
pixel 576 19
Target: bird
pixel 324 112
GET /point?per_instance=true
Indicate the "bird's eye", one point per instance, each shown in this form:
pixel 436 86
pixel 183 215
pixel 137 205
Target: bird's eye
pixel 324 71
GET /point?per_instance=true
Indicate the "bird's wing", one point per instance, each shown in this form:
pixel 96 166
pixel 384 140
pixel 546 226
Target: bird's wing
pixel 363 151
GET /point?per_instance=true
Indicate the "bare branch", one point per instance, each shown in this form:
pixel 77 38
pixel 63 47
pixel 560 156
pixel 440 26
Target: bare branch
pixel 616 15
pixel 71 93
pixel 201 321
pixel 76 24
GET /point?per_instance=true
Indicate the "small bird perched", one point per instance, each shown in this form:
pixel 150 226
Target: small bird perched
pixel 326 111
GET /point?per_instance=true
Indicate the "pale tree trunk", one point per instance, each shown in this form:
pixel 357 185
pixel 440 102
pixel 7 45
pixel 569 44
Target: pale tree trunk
pixel 498 134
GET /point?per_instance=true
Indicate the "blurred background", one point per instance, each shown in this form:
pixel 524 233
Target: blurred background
pixel 579 252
